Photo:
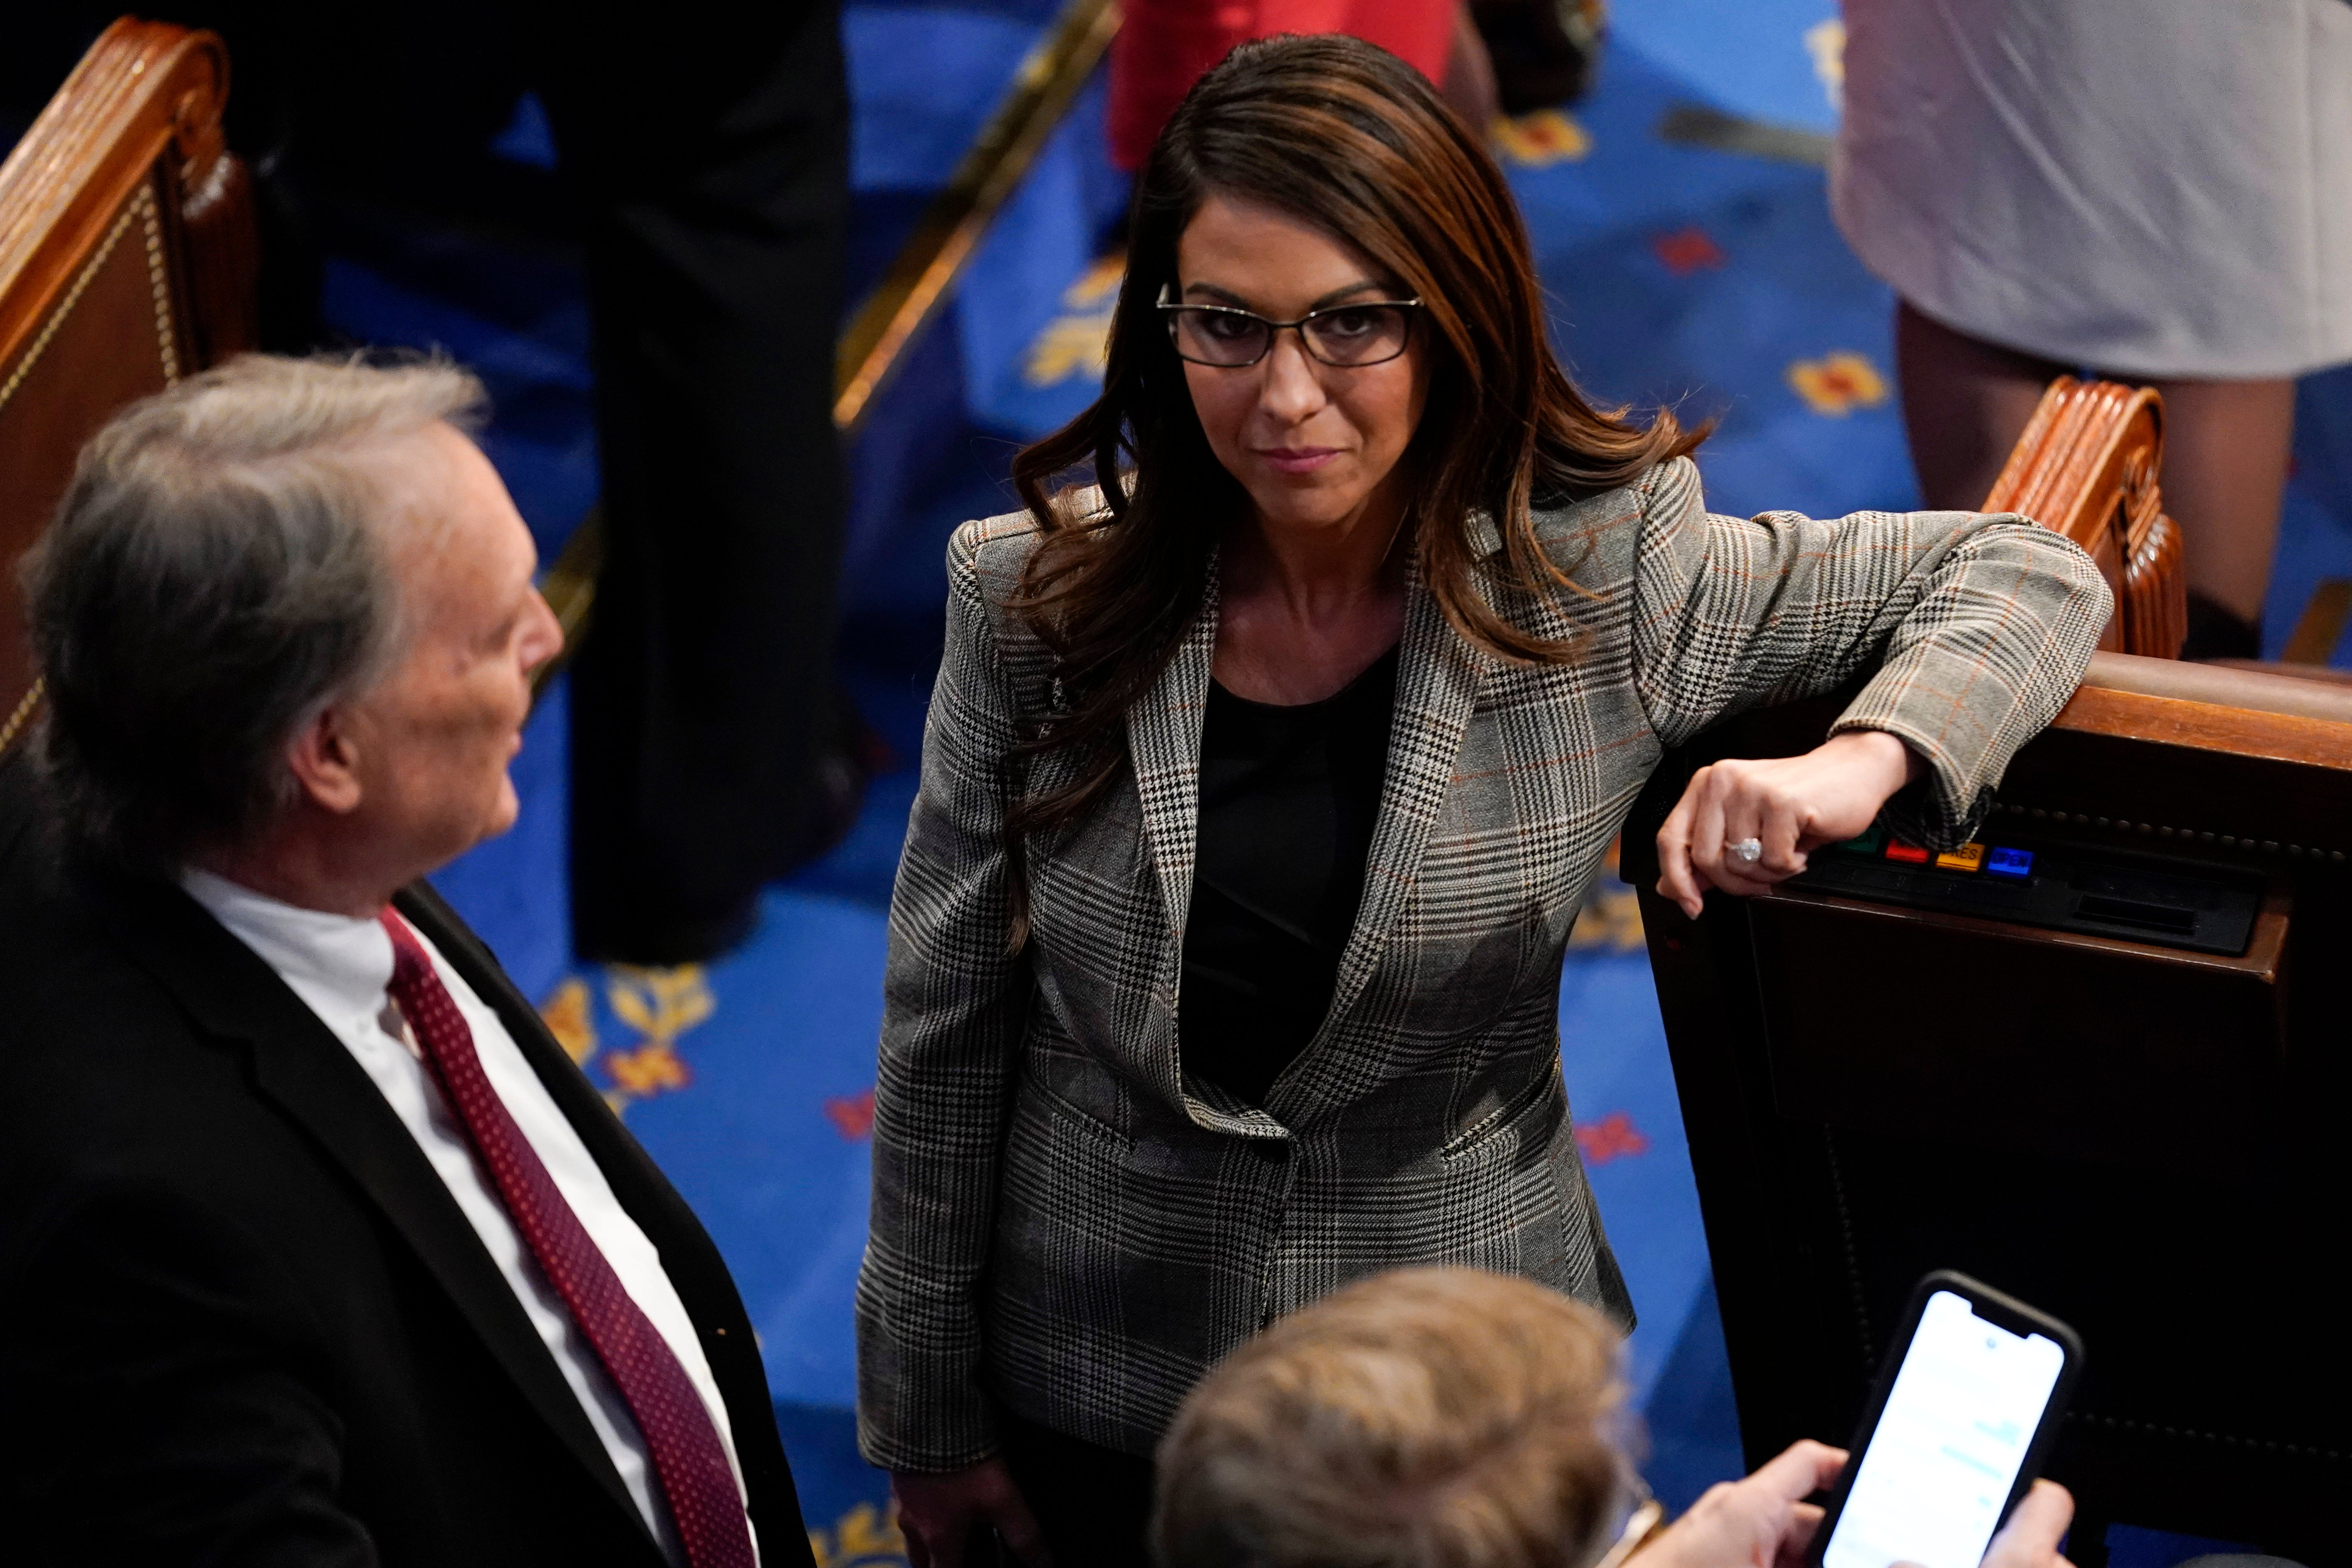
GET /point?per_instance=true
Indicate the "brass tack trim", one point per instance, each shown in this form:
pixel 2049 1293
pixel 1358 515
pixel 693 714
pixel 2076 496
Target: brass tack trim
pixel 166 342
pixel 2163 830
pixel 2264 1445
pixel 145 200
pixel 25 706
pixel 142 207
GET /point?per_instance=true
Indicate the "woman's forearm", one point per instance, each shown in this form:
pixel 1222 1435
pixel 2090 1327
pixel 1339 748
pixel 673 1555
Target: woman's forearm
pixel 1995 646
pixel 1980 625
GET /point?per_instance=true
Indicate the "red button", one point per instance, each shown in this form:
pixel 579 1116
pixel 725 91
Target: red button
pixel 1910 854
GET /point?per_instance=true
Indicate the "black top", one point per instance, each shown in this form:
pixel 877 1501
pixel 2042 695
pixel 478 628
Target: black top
pixel 1288 796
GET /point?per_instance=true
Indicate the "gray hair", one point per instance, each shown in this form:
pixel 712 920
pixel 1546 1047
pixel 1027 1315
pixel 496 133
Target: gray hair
pixel 217 575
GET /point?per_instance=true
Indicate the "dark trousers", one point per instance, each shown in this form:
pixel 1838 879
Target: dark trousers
pixel 709 149
pixel 1095 1503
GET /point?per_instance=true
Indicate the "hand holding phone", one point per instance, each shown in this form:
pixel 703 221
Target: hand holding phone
pixel 1964 1412
pixel 2035 1527
pixel 1763 1520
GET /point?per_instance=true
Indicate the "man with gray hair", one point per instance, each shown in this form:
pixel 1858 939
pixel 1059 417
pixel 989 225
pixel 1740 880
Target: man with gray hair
pixel 315 1248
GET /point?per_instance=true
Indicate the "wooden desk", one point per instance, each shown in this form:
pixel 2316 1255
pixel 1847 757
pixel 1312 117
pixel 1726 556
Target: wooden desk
pixel 2146 1140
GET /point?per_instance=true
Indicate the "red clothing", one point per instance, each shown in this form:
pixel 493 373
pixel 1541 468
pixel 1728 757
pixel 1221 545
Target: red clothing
pixel 1165 46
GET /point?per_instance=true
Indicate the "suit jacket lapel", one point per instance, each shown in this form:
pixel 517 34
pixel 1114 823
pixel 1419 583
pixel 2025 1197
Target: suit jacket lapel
pixel 300 1067
pixel 1438 677
pixel 688 1255
pixel 1164 741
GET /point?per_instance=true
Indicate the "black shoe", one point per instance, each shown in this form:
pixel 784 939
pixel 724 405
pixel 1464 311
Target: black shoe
pixel 852 754
pixel 635 932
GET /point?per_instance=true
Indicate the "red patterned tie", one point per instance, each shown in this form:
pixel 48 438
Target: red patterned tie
pixel 679 1433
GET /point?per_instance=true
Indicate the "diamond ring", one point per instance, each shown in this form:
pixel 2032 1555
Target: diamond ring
pixel 1746 851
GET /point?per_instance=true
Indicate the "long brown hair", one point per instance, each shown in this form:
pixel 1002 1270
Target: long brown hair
pixel 1348 137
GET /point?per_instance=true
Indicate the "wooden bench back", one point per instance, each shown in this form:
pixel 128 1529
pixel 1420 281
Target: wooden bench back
pixel 2088 467
pixel 127 260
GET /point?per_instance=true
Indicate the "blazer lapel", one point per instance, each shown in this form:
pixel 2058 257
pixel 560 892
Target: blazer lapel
pixel 300 1067
pixel 1164 741
pixel 688 1255
pixel 1438 677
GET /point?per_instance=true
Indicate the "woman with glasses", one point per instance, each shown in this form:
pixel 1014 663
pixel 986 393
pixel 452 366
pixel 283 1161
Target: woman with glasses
pixel 1267 772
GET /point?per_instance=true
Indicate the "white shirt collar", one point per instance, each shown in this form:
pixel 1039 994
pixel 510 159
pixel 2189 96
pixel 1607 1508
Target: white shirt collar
pixel 322 955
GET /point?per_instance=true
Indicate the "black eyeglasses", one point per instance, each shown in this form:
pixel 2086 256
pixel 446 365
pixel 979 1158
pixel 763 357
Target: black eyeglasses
pixel 1347 336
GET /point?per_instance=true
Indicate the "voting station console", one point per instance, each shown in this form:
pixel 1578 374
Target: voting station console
pixel 2098 892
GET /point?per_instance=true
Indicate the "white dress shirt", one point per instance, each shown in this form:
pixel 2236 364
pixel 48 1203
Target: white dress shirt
pixel 340 966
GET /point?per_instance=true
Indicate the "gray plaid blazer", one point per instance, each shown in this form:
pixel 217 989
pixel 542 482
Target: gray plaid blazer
pixel 1067 1222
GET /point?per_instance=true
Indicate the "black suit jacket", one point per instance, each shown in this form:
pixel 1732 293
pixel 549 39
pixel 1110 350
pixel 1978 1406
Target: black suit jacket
pixel 241 1319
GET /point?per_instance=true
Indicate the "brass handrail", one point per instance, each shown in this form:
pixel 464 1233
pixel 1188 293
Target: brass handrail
pixel 1696 125
pixel 919 277
pixel 916 284
pixel 570 589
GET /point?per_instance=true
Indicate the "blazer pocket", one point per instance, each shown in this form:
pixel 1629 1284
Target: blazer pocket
pixel 1083 1123
pixel 1545 1095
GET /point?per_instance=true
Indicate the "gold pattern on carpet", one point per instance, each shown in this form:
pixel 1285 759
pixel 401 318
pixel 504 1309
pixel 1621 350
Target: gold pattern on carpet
pixel 659 1005
pixel 864 1537
pixel 1077 340
pixel 1838 383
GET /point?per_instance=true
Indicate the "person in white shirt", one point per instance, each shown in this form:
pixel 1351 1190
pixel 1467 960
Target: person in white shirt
pixel 314 1245
pixel 2155 190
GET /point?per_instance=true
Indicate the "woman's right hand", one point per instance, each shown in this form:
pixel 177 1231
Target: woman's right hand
pixel 939 1511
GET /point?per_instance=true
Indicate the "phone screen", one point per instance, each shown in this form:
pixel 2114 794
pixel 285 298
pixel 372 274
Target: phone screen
pixel 1946 1451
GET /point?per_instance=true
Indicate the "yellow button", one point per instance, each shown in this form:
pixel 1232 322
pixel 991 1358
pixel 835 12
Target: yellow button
pixel 1967 857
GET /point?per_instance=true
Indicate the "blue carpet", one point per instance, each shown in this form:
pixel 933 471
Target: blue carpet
pixel 1701 279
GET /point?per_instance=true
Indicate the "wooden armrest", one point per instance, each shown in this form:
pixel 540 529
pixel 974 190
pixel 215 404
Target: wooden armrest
pixel 2213 707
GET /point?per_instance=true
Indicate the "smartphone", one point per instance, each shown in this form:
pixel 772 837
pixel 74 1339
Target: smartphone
pixel 1955 1432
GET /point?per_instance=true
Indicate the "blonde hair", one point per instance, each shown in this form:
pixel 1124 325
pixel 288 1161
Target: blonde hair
pixel 1425 1418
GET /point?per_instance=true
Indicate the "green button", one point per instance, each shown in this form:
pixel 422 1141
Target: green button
pixel 1868 845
